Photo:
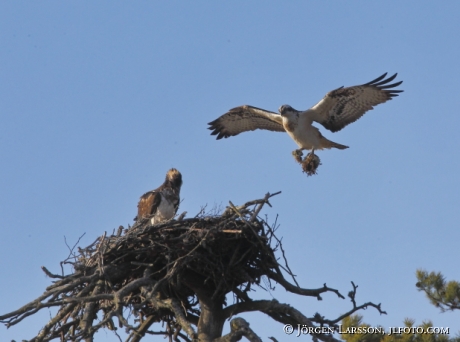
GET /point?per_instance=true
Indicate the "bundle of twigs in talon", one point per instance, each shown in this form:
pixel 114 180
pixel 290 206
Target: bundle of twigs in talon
pixel 310 164
pixel 178 273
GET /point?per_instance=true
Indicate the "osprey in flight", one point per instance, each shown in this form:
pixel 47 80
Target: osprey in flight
pixel 162 203
pixel 337 109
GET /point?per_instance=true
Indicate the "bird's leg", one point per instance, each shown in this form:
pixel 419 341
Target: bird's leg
pixel 298 155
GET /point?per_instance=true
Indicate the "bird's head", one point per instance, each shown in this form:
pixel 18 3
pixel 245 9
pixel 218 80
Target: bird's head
pixel 285 110
pixel 174 177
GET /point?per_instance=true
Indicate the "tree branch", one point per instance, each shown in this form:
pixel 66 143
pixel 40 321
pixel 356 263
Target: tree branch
pixel 282 313
pixel 278 277
pixel 239 328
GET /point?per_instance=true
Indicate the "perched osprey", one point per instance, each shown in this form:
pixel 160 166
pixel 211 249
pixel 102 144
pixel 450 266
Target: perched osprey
pixel 162 203
pixel 337 109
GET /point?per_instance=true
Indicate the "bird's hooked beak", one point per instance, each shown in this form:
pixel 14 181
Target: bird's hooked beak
pixel 284 109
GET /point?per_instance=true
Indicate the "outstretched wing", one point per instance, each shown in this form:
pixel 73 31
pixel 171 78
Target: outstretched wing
pixel 243 119
pixel 343 106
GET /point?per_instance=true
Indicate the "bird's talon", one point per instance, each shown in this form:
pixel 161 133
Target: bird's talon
pixel 298 154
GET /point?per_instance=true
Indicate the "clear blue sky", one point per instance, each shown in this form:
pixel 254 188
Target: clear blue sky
pixel 99 99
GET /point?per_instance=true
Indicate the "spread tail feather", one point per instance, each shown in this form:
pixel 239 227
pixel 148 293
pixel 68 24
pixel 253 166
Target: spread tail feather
pixel 340 147
pixel 325 143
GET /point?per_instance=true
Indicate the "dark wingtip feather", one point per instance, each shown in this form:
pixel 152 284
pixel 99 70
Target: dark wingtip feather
pixel 217 131
pixel 385 81
pixel 382 84
pixel 376 80
pixel 391 85
pixel 213 123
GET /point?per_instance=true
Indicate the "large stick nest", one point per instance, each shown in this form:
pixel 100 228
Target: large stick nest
pixel 173 272
pixel 155 271
pixel 219 252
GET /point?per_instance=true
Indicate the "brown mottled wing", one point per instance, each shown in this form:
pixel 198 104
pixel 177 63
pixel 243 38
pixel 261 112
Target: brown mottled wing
pixel 243 119
pixel 148 204
pixel 343 106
